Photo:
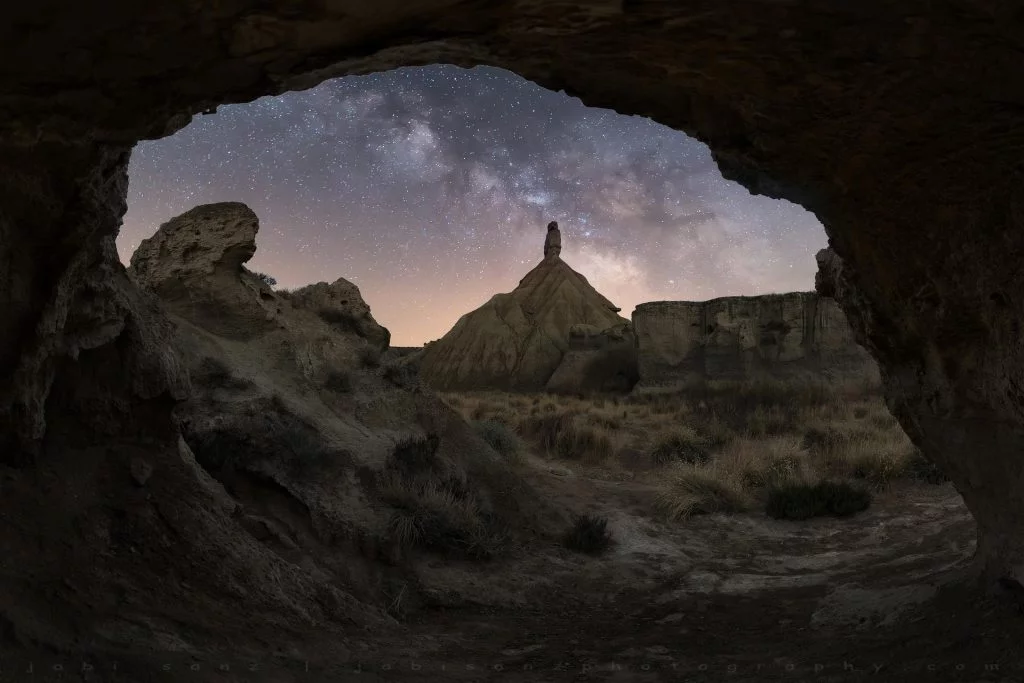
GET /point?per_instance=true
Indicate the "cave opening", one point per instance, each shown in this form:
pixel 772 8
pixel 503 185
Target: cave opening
pixel 770 462
pixel 896 126
pixel 429 188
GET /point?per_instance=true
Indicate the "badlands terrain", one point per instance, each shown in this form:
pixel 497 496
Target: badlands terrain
pixel 196 468
pixel 753 529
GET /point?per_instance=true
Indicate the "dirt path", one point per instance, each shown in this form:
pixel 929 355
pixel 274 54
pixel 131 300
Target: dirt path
pixel 740 598
pixel 717 598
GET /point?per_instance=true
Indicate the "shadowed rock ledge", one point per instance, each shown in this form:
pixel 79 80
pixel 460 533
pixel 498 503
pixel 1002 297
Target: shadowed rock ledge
pixel 898 124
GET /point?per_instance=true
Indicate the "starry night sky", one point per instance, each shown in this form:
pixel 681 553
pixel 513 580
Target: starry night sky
pixel 430 188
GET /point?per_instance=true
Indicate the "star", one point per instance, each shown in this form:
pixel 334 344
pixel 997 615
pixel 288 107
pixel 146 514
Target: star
pixel 430 188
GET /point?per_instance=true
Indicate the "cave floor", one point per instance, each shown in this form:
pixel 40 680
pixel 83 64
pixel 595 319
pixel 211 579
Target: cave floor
pixel 872 597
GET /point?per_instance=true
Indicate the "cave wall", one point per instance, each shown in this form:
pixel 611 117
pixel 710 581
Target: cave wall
pixel 898 124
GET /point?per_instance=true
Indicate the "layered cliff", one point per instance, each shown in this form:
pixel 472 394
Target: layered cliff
pixel 785 336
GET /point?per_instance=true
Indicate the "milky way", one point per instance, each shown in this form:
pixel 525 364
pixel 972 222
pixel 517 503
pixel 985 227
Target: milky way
pixel 430 189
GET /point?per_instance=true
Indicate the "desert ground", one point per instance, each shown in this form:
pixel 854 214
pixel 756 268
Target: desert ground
pixel 698 582
pixel 682 536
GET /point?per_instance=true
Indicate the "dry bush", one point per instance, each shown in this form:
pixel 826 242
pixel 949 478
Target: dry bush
pixel 435 508
pixel 873 455
pixel 338 381
pixel 502 439
pixel 759 463
pixel 759 434
pixel 567 434
pixel 700 489
pixel 680 444
pixel 588 534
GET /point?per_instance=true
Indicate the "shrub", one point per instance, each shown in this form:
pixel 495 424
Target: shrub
pixel 774 471
pixel 716 433
pixel 440 515
pixel 501 438
pixel 827 498
pixel 399 374
pixel 416 455
pixel 823 439
pixel 694 490
pixel 338 381
pixel 878 468
pixel 564 435
pixel 370 356
pixel 680 445
pixel 771 420
pixel 588 534
pixel 548 427
pixel 266 279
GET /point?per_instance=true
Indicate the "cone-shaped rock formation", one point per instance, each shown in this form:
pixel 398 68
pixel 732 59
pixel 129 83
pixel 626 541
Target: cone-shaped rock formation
pixel 520 339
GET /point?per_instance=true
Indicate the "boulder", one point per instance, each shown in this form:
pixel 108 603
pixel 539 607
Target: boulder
pixel 341 305
pixel 194 264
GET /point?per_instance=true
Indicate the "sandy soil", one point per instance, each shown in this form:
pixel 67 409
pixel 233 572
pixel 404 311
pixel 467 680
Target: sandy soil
pixel 717 598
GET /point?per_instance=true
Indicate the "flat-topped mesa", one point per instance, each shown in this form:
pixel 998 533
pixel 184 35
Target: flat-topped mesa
pixel 798 335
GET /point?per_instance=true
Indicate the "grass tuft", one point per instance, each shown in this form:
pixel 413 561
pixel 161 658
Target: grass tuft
pixel 694 490
pixel 680 445
pixel 502 439
pixel 588 534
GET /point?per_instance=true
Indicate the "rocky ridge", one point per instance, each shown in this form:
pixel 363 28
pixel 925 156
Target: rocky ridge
pixel 293 425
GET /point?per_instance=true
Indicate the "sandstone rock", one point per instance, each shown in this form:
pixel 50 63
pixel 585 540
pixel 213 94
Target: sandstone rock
pixel 799 335
pixel 299 453
pixel 553 241
pixel 341 304
pixel 194 263
pixel 894 122
pixel 517 340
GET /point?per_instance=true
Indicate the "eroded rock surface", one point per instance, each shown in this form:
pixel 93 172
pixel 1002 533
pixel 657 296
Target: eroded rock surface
pixel 341 305
pixel 517 341
pixel 194 263
pixel 896 123
pixel 794 336
pixel 257 501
